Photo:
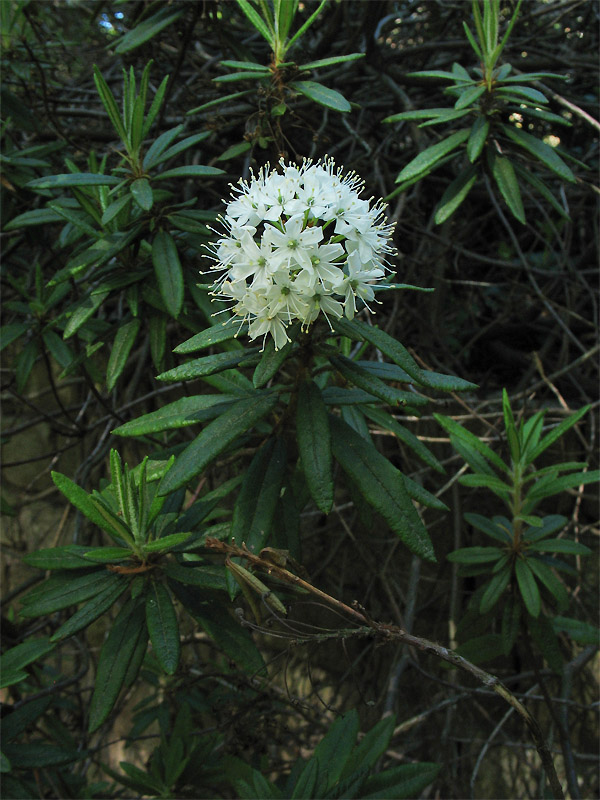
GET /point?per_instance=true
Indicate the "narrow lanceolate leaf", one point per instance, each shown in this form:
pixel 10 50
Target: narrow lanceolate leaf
pixel 214 439
pixel 255 507
pixel 335 748
pixel 327 62
pixel 192 171
pixel 494 590
pixel 147 29
pixel 63 590
pixel 455 194
pixel 69 556
pixel 124 341
pixel 25 653
pixel 208 365
pixel 405 781
pixel 162 626
pixel 388 422
pixel 142 193
pixel 428 157
pixel 216 334
pixel 168 271
pixel 528 587
pixel 314 445
pixel 256 20
pixel 83 311
pixel 557 432
pixel 504 175
pixel 272 359
pixel 462 434
pixel 542 151
pixel 115 657
pixel 72 179
pixel 387 344
pixel 551 581
pixel 179 414
pixel 93 609
pixel 477 138
pixel 167 542
pixel 322 94
pixel 367 381
pixel 382 485
pixel 560 546
pixel 81 500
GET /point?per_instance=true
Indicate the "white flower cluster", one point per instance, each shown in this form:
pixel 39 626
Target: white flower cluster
pixel 299 241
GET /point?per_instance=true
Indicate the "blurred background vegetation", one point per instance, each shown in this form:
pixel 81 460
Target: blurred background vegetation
pixel 515 306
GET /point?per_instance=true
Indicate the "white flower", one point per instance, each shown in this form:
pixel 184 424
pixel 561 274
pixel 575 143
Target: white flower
pixel 299 242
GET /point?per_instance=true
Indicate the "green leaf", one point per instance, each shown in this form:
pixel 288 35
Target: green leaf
pixel 220 433
pixel 433 73
pixel 179 414
pixel 93 609
pixel 428 157
pixel 490 482
pixel 367 381
pixel 159 145
pixel 208 365
pixel 469 96
pixel 216 334
pixel 162 626
pixel 115 657
pixel 554 585
pixel 254 510
pixel 84 309
pixel 168 271
pixel 307 780
pixel 504 175
pixel 68 556
pixel 216 620
pixel 514 444
pixel 477 138
pixel 155 107
pixel 559 546
pixel 245 65
pixel 167 542
pixel 475 555
pixel 382 485
pixel 522 91
pixel 387 421
pixel 401 783
pixel 72 179
pixel 334 749
pixel 314 445
pixel 494 590
pixel 272 359
pixel 420 495
pixel 142 193
pixel 35 755
pixel 203 576
pixel 528 587
pixel 538 185
pixel 322 94
pixel 540 150
pixel 581 632
pixel 124 341
pixel 233 77
pixel 469 438
pixel 387 344
pixel 418 114
pixel 147 29
pixel 23 654
pixel 557 432
pixel 40 216
pixel 545 638
pixel 192 171
pixel 543 489
pixel 455 194
pixel 64 589
pixel 550 524
pixel 234 151
pixel 328 62
pixel 488 526
pixel 24 364
pixel 257 21
pixel 371 747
